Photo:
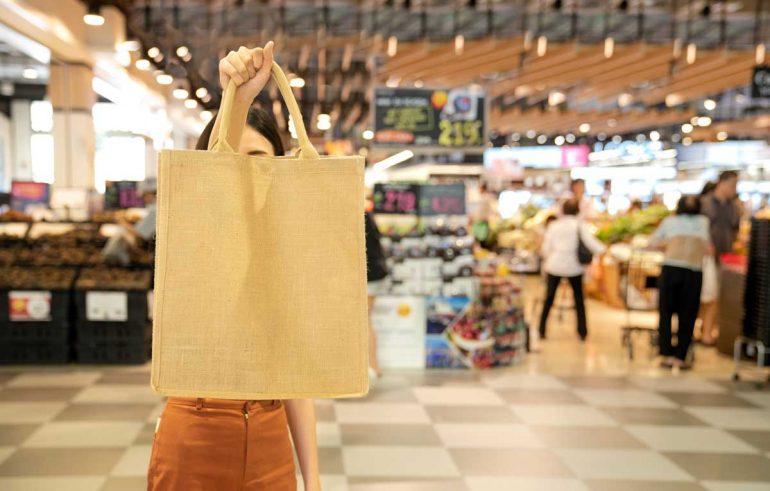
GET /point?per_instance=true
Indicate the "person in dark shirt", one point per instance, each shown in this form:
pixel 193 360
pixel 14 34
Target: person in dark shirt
pixel 376 277
pixel 724 212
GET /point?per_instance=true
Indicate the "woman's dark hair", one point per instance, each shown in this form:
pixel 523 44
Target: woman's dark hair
pixel 259 119
pixel 688 205
pixel 571 207
pixel 728 175
pixel 708 188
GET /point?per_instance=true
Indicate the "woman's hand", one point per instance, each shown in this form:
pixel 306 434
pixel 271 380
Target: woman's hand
pixel 249 68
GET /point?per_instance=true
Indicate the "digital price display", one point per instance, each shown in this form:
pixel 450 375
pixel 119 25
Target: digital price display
pixel 119 195
pixel 424 200
pixel 442 199
pixel 424 117
pixel 24 194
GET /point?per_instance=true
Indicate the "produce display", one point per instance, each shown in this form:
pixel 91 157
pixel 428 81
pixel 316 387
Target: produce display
pixel 14 216
pixel 626 226
pixel 42 278
pixel 113 279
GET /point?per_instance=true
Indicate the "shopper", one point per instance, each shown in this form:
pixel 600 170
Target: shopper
pixel 578 192
pixel 685 239
pixel 560 253
pixel 710 291
pixel 235 445
pixel 117 251
pixel 377 283
pixel 724 212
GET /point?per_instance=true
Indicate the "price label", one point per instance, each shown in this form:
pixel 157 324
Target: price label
pixel 29 306
pixel 107 306
pixel 442 199
pixel 398 199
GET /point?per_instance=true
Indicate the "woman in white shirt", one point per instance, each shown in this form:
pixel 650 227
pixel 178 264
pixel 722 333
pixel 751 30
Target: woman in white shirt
pixel 560 254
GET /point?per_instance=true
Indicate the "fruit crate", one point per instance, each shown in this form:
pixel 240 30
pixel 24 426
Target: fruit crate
pixel 129 353
pixel 24 353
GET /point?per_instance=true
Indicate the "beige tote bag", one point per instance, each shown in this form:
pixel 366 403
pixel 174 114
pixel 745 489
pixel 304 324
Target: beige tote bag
pixel 260 281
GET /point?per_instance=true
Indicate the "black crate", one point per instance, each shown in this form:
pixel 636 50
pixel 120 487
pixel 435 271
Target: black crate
pixel 135 328
pixel 54 330
pixel 14 353
pixel 134 353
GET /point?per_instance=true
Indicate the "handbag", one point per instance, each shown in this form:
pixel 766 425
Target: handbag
pixel 585 256
pixel 260 280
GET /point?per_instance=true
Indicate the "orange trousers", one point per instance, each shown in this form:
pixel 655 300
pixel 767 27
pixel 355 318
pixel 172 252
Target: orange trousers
pixel 222 445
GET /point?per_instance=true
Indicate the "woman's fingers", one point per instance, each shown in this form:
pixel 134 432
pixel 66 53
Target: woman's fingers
pixel 267 56
pixel 228 72
pixel 235 60
pixel 245 56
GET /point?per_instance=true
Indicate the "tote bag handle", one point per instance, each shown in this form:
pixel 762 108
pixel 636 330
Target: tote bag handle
pixel 307 150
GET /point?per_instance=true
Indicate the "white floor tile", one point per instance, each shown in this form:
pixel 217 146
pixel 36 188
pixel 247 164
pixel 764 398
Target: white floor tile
pixel 84 434
pixel 398 462
pixel 735 486
pixel 117 394
pixel 523 484
pixel 523 381
pixel 51 483
pixel 134 462
pixel 689 439
pixel 733 418
pixel 396 484
pixel 758 398
pixel 29 412
pixel 380 413
pixel 625 398
pixel 629 465
pixel 457 396
pixel 562 415
pixel 64 379
pixel 481 435
pixel 679 384
pixel 328 434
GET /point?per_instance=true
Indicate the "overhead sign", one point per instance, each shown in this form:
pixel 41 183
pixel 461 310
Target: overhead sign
pixel 424 117
pixel 760 82
pixel 509 163
pixel 419 199
pixel 442 199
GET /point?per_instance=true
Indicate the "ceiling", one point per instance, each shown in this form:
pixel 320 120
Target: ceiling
pixel 340 47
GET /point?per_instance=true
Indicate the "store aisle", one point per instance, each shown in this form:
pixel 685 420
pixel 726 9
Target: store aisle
pixel 518 429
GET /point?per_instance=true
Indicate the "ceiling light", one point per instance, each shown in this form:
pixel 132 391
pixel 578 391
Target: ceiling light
pixel 459 44
pixel 617 139
pixel 515 137
pixel 555 98
pixel 531 134
pixel 182 51
pixel 142 64
pixel 694 120
pixel 609 47
pixel 190 103
pixel 324 117
pixel 542 46
pixel 392 82
pixel 367 135
pixel 584 128
pixel 180 93
pixel 559 140
pixel 324 122
pixel 164 79
pixel 130 45
pixel 676 137
pixel 654 135
pixel 710 104
pixel 395 159
pixel 704 121
pixel 206 115
pixel 759 54
pixel 30 74
pixel 297 82
pixel 687 128
pixel 542 139
pixel 392 46
pixel 418 84
pixel 722 136
pixel 673 100
pixel 94 16
pixel 686 141
pixel 601 137
pixel 692 53
pixel 201 92
pixel 625 99
pixel 153 52
pixel 612 122
pixel 570 138
pixel 641 138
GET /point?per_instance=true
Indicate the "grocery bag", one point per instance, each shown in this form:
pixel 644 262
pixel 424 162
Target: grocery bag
pixel 260 280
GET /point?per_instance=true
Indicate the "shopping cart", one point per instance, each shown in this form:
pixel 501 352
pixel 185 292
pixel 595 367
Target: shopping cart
pixel 639 291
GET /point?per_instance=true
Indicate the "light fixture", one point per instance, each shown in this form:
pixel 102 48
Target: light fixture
pixel 625 99
pixel 94 16
pixel 542 46
pixel 612 122
pixel 182 51
pixel 164 79
pixel 673 100
pixel 654 135
pixel 297 82
pixel 692 53
pixel 687 128
pixel 30 74
pixel 206 115
pixel 392 82
pixel 704 121
pixel 392 46
pixel 686 141
pixel 542 139
pixel 153 52
pixel 555 98
pixel 367 135
pixel 201 92
pixel 609 47
pixel 395 159
pixel 694 120
pixel 459 44
pixel 584 128
pixel 617 139
pixel 570 138
pixel 324 122
pixel 601 137
pixel 641 138
pixel 142 64
pixel 709 104
pixel 722 136
pixel 759 54
pixel 130 45
pixel 559 140
pixel 418 84
pixel 515 137
pixel 676 138
pixel 190 103
pixel 180 93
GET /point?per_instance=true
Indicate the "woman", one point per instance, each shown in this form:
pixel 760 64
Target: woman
pixel 685 239
pixel 229 445
pixel 560 255
pixel 377 284
pixel 710 290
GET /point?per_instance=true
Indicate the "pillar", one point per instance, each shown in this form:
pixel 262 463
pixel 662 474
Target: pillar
pixel 72 98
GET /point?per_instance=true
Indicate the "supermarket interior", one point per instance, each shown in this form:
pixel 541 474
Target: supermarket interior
pixel 567 237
